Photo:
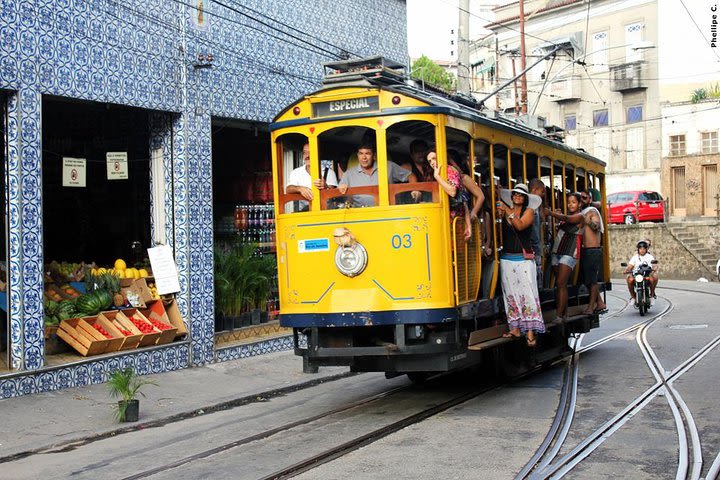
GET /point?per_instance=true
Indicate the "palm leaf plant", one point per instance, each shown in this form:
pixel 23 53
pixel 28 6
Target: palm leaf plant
pixel 125 384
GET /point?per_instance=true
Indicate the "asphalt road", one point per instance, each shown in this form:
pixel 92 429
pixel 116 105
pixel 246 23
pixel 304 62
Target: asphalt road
pixel 490 436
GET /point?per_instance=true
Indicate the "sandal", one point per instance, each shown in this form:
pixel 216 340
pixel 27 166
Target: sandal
pixel 510 335
pixel 600 311
pixel 532 342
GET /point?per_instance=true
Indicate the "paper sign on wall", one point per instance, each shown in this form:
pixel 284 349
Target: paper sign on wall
pixel 73 173
pixel 117 165
pixel 164 269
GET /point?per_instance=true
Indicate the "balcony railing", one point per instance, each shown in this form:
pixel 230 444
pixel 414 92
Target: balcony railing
pixel 628 76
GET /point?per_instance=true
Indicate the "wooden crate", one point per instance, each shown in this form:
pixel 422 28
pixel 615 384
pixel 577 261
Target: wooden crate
pixel 156 311
pixel 167 312
pixel 82 337
pixel 147 338
pixel 111 323
pixel 115 343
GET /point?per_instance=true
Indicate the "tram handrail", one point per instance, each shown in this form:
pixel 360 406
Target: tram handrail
pixel 397 188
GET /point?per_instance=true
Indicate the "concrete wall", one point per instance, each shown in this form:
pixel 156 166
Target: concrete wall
pixel 694 194
pixel 676 262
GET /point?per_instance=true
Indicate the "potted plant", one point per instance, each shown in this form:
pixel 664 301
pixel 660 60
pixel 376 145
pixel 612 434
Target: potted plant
pixel 243 281
pixel 125 384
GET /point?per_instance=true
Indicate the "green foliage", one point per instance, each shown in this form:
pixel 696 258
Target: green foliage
pixel 701 94
pixel 125 384
pixel 427 71
pixel 243 279
pixel 714 91
pixel 698 95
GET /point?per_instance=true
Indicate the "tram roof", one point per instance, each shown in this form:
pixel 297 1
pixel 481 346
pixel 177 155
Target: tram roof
pixel 438 103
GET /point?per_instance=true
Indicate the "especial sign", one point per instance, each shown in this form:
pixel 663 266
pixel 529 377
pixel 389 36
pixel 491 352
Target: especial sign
pixel 347 106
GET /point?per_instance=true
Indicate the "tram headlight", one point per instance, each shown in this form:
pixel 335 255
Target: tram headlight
pixel 639 278
pixel 351 260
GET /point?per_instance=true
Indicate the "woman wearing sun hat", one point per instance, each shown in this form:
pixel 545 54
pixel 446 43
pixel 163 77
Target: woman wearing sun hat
pixel 517 263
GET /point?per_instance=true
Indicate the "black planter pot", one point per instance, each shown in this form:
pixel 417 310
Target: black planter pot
pixel 132 410
pixel 255 315
pixel 264 316
pixel 219 323
pixel 246 319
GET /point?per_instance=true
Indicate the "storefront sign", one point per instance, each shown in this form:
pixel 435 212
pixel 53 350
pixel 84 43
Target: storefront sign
pixel 164 269
pixel 117 165
pixel 74 172
pixel 344 107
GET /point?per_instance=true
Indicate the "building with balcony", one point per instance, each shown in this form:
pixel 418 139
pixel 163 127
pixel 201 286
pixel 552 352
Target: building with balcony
pixel 601 85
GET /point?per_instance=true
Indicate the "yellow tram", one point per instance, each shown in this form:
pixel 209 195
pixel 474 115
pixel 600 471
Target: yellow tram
pixel 378 277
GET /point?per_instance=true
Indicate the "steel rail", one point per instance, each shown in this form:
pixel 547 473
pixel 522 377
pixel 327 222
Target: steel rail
pixel 265 434
pixel 560 426
pixel 587 446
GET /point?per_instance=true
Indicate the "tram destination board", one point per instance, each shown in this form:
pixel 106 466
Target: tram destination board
pixel 346 106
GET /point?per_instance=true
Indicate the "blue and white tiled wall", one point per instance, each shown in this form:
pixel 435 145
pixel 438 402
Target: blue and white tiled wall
pixel 141 53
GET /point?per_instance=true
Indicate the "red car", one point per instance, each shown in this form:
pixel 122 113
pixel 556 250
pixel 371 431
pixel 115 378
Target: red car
pixel 635 206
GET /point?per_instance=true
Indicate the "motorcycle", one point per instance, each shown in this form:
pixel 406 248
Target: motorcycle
pixel 642 286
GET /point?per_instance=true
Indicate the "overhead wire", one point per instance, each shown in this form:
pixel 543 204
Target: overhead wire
pixel 699 30
pixel 342 49
pixel 241 58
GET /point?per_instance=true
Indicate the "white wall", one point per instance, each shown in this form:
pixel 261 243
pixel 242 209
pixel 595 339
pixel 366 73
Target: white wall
pixel 689 119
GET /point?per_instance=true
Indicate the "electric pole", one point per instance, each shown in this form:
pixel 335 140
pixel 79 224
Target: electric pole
pixel 463 71
pixel 523 79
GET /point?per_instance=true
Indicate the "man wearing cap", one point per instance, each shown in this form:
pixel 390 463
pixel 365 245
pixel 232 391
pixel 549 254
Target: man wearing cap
pixel 517 264
pixel 592 253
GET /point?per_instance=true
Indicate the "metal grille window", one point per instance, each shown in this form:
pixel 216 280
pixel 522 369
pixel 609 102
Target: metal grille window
pixel 570 122
pixel 677 145
pixel 600 118
pixel 635 114
pixel 709 142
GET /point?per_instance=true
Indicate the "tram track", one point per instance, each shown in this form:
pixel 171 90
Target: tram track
pixel 541 466
pixel 353 444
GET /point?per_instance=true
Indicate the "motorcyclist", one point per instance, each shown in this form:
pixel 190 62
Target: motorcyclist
pixel 642 256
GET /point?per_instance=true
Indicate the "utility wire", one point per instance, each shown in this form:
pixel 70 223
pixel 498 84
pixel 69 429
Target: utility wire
pixel 342 49
pixel 699 30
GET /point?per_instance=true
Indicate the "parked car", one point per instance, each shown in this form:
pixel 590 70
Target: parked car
pixel 635 206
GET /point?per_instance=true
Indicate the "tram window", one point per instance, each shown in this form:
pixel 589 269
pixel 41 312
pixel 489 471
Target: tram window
pixel 481 162
pixel 407 145
pixel 500 165
pixel 580 181
pixel 558 185
pixel 546 176
pixel 517 167
pixel 531 166
pixel 570 179
pixel 293 176
pixel 349 149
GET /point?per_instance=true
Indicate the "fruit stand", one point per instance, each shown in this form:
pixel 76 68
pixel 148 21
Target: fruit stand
pixel 98 310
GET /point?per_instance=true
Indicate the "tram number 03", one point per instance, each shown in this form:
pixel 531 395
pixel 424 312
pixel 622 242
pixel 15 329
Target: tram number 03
pixel 401 241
